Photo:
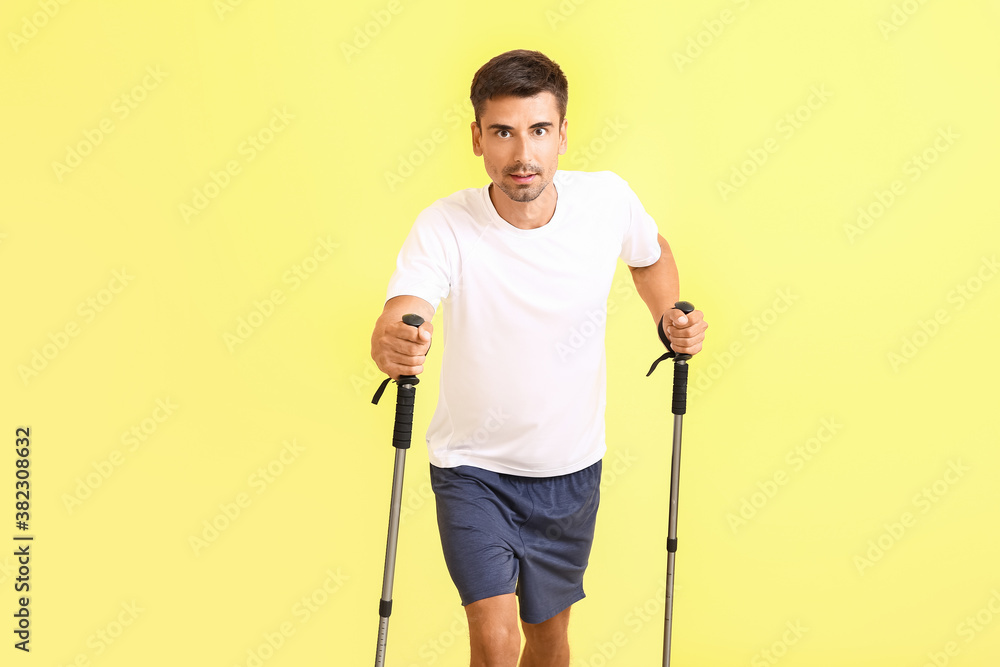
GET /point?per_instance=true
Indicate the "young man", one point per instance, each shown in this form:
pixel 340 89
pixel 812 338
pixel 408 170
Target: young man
pixel 523 267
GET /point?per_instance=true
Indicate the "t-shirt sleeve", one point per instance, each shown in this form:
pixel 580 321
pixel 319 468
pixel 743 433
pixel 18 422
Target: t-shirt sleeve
pixel 422 266
pixel 640 245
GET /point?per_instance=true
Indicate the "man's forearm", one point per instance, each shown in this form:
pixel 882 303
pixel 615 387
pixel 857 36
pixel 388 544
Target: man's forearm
pixel 658 284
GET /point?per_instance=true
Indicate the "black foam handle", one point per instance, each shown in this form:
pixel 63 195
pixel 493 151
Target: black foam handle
pixel 679 406
pixel 405 397
pixel 403 428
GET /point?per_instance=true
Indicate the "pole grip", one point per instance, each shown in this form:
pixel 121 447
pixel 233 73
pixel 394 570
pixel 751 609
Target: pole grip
pixel 406 394
pixel 414 321
pixel 679 405
pixel 403 428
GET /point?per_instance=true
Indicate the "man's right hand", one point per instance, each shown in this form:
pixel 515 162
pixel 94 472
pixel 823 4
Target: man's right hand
pixel 398 348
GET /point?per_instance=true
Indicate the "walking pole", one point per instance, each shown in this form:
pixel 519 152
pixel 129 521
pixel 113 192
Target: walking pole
pixel 678 408
pixel 405 394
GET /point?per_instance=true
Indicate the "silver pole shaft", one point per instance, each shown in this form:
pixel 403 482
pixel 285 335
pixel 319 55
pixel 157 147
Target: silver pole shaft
pixel 669 611
pixel 390 551
pixel 675 474
pixel 394 512
pixel 383 638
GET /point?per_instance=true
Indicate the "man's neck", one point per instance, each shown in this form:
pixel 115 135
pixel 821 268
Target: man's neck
pixel 526 215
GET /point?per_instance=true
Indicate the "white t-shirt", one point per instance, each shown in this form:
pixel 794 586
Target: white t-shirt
pixel 523 378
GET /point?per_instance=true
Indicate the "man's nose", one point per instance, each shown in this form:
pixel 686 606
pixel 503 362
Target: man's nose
pixel 522 151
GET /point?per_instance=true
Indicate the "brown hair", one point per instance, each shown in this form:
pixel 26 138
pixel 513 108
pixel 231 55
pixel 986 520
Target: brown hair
pixel 520 73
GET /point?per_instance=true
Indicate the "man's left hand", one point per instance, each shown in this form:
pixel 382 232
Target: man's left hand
pixel 686 333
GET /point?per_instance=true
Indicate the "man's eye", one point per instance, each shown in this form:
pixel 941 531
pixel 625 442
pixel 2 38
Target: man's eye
pixel 503 133
pixel 541 130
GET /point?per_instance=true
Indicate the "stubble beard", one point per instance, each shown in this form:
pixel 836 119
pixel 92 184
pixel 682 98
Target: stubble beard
pixel 521 193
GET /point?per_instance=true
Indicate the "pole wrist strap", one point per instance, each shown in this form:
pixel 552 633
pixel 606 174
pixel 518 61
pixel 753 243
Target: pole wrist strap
pixel 666 355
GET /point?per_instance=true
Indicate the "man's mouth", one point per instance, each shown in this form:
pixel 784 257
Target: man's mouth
pixel 522 178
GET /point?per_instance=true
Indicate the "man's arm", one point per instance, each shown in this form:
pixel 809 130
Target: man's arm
pixel 397 348
pixel 659 287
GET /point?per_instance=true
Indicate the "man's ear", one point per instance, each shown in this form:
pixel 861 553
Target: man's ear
pixel 562 136
pixel 477 136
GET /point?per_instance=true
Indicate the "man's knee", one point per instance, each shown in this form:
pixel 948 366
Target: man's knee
pixel 501 642
pixel 493 630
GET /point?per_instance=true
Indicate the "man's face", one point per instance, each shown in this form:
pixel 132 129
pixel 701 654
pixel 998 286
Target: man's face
pixel 520 136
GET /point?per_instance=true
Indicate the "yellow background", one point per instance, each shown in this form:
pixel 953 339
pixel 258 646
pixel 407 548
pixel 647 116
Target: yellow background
pixel 334 110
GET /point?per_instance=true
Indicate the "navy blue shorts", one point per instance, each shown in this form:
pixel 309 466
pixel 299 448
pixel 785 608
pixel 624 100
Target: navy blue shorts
pixel 509 534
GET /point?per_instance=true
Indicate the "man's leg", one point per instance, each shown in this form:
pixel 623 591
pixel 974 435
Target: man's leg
pixel 546 644
pixel 493 632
